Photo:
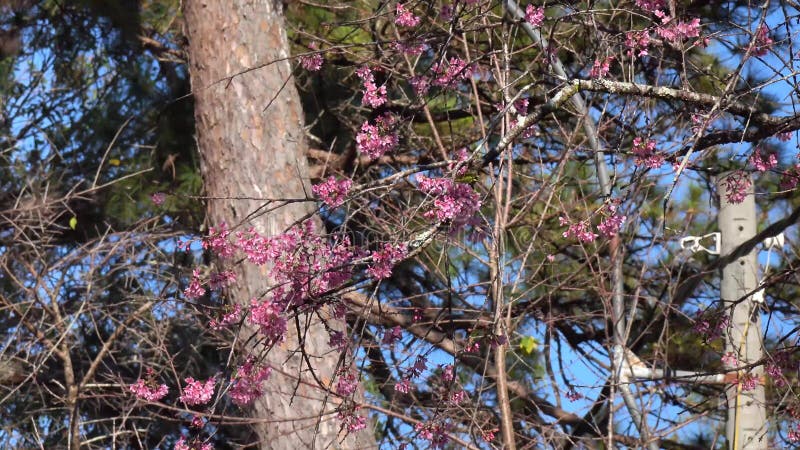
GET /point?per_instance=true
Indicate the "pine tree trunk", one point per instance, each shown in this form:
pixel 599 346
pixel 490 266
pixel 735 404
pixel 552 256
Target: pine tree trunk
pixel 250 134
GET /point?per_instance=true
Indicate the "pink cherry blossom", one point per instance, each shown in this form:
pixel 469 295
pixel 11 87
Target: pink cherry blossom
pixel 456 202
pixel 217 241
pixel 312 62
pixel 646 154
pixel 678 30
pixel 392 335
pixel 149 390
pixel 761 162
pixel 736 187
pixel 195 289
pixel 762 42
pixel 600 68
pixel 247 382
pixel 534 15
pixel 194 444
pixel 332 192
pixel 197 392
pixel 379 139
pixel 383 260
pixel 351 420
pixel 158 198
pixel 579 231
pixel 222 279
pixel 403 386
pixel 346 383
pixel 448 75
pixel 405 18
pixel 267 315
pixel 374 96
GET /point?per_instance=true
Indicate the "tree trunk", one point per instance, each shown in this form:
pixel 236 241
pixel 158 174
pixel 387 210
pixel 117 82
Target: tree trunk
pixel 250 134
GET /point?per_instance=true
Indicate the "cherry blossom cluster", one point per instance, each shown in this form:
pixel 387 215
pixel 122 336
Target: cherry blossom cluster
pixel 736 186
pixel 433 432
pixel 611 224
pixel 762 162
pixel 374 96
pixel 312 62
pixel 646 154
pixel 148 389
pixel 247 382
pixel 194 444
pixel 762 42
pixel 333 192
pixel 378 139
pixel 710 325
pixel 231 316
pixel 578 230
pixel 405 18
pixel 383 260
pixel 452 201
pixel 197 392
pixel 601 68
pixel 450 74
pixel 534 15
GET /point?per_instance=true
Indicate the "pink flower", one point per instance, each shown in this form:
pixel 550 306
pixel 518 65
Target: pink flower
pixel 435 433
pixel 448 373
pixel 676 31
pixel 351 420
pixel 247 382
pixel 312 62
pixel 456 202
pixel 392 335
pixel 776 373
pixel 736 187
pixel 601 68
pixel 794 434
pixel 762 163
pixel 650 5
pixel 610 226
pixel 383 260
pixel 579 230
pixel 449 76
pixel 637 40
pixel 404 386
pixel 730 359
pixel 197 392
pixel 228 318
pixel 379 139
pixel 195 289
pixel 149 390
pixel 572 395
pixel 710 325
pixel 222 279
pixel 409 48
pixel 346 383
pixel 374 96
pixel 646 154
pixel 762 42
pixel 332 192
pixel 420 84
pixel 534 15
pixel 217 241
pixel 405 18
pixel 337 340
pixel 194 444
pixel 158 198
pixel 785 137
pixel 457 397
pixel 748 382
pixel 268 316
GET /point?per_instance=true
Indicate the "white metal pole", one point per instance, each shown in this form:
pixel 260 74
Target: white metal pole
pixel 747 415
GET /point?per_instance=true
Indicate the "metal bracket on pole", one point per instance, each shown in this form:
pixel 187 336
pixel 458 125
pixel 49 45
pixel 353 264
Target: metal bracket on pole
pixel 693 243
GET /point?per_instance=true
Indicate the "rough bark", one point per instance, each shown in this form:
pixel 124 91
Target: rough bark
pixel 250 134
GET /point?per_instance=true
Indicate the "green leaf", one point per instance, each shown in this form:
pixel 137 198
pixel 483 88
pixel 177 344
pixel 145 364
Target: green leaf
pixel 529 344
pixel 73 222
